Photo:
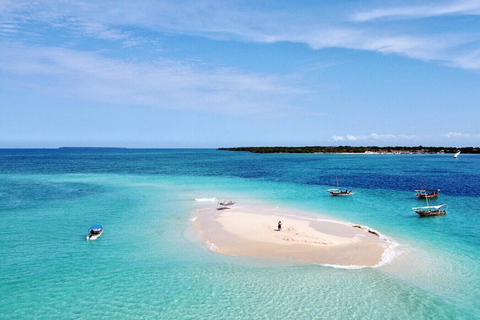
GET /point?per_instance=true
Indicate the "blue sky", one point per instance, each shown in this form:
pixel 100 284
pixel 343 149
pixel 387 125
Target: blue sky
pixel 239 73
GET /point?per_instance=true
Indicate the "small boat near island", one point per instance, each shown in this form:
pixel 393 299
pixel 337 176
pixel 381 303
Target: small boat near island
pixel 428 210
pixel 225 204
pixel 426 193
pixel 94 232
pixel 457 154
pixel 335 192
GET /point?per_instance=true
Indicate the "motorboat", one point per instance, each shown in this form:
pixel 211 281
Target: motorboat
pixel 226 203
pixel 94 232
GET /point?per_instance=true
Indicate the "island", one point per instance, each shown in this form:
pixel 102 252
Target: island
pixel 251 230
pixel 358 150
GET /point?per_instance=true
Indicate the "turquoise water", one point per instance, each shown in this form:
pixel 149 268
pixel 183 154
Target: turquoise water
pixel 147 265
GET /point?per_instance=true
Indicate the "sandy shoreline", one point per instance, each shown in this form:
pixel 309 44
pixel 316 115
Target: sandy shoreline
pixel 252 231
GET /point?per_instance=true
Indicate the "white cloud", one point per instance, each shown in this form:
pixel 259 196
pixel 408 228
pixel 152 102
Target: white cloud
pixel 461 135
pixel 352 138
pixel 453 134
pixel 403 139
pixel 338 138
pixel 374 137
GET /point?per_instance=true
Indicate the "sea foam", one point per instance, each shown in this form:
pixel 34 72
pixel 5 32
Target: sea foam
pixel 206 199
pixel 390 253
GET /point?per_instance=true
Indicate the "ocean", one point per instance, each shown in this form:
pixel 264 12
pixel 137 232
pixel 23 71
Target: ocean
pixel 147 263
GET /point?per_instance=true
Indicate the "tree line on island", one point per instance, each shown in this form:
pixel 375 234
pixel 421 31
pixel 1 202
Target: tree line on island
pixel 352 149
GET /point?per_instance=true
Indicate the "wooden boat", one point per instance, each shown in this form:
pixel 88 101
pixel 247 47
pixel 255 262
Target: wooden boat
pixel 422 194
pixel 428 210
pixel 427 193
pixel 94 232
pixel 336 192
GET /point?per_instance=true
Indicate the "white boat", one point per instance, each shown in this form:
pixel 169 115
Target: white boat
pixel 94 232
pixel 428 210
pixel 456 154
pixel 335 192
pixel 226 203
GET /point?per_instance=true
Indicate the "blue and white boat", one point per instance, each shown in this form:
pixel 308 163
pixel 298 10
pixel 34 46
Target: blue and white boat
pixel 94 232
pixel 335 192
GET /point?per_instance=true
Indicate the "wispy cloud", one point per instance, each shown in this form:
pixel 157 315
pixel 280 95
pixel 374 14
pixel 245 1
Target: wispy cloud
pixel 317 25
pixel 468 61
pixel 66 17
pixel 415 12
pixel 161 83
pixel 93 29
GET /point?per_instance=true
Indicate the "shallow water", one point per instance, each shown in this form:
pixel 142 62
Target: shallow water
pixel 146 264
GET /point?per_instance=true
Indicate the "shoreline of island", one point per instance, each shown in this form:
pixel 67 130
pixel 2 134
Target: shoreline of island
pixel 251 231
pixel 357 150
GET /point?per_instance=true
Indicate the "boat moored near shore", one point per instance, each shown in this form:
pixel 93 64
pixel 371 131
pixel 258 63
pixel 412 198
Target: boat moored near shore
pixel 428 211
pixel 225 204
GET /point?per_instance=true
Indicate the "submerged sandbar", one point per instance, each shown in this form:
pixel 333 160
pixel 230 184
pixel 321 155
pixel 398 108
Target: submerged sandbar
pixel 252 231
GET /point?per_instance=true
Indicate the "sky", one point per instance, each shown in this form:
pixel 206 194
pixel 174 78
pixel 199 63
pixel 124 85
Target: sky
pixel 208 74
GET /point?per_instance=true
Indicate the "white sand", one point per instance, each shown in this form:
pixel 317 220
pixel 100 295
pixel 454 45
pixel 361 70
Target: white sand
pixel 252 231
pixel 259 227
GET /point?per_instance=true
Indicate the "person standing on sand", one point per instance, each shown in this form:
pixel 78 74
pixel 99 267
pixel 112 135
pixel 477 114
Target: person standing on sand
pixel 279 225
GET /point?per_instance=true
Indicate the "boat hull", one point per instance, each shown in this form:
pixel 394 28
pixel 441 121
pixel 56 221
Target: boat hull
pixel 423 196
pixel 341 194
pixel 427 193
pixel 431 213
pixel 94 236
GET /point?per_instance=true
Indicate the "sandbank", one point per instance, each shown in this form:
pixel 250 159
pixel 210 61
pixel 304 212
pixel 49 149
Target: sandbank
pixel 304 239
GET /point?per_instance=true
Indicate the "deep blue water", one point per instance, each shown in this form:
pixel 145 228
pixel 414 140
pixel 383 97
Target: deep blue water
pixel 145 266
pixel 394 172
